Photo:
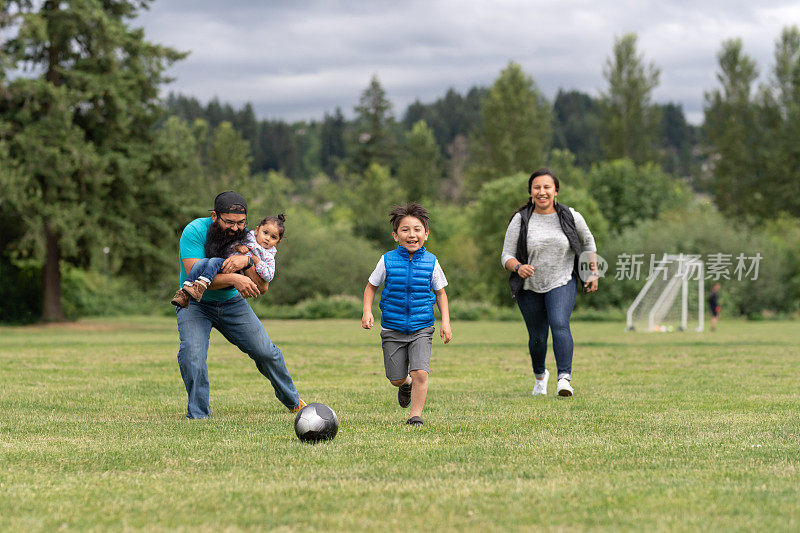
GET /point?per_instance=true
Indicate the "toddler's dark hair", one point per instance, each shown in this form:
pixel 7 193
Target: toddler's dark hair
pixel 278 221
pixel 399 212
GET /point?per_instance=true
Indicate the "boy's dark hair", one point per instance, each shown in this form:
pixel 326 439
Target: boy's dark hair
pixel 399 212
pixel 278 221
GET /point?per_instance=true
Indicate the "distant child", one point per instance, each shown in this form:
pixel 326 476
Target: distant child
pixel 713 304
pixel 413 282
pixel 258 244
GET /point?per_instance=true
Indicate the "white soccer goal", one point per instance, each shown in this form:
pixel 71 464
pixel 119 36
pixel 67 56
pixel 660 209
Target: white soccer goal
pixel 657 306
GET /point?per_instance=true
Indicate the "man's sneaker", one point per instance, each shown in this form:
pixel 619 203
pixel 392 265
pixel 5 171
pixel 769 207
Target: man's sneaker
pixel 404 394
pixel 563 388
pixel 195 290
pixel 181 299
pixel 540 385
pixel 414 421
pixel 299 406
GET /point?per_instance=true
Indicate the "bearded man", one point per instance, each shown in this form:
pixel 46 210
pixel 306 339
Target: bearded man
pixel 223 306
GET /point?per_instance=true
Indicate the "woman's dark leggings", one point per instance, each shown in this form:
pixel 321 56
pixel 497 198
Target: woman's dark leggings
pixel 551 310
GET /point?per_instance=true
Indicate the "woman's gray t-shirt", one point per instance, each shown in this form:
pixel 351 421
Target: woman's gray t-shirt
pixel 548 249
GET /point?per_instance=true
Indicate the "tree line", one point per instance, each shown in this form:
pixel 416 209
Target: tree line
pixel 99 175
pixel 453 127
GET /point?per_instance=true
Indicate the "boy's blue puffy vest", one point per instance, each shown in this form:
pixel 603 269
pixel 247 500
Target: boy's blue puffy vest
pixel 407 299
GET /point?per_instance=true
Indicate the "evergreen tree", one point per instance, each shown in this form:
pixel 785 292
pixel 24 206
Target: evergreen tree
pixel 228 159
pixel 630 124
pixel 375 142
pixel 576 126
pixel 245 123
pixel 780 121
pixel 332 142
pixel 456 164
pixel 215 112
pixel 310 134
pixel 182 146
pixel 677 138
pixel 420 171
pixel 449 116
pixel 516 129
pixel 369 199
pixel 186 107
pixel 417 111
pixel 277 147
pixel 79 127
pixel 731 125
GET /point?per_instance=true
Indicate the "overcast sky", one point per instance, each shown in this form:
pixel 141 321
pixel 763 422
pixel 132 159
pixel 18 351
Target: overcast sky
pixel 296 60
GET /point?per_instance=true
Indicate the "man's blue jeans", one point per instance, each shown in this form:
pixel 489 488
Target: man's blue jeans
pixel 239 324
pixel 552 310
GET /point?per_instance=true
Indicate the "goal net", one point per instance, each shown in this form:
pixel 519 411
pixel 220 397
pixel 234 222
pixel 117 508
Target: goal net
pixel 672 297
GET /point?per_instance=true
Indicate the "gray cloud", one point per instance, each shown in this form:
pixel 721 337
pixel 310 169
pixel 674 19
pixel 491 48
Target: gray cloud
pixel 297 60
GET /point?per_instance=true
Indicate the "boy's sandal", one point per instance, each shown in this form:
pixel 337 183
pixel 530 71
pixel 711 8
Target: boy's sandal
pixel 414 421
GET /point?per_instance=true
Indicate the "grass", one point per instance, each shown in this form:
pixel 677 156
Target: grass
pixel 680 431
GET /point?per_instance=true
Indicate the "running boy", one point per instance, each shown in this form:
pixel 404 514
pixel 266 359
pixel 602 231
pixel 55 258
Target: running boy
pixel 413 282
pixel 258 244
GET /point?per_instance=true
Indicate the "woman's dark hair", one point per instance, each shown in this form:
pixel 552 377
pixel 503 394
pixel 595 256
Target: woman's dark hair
pixel 541 172
pixel 278 221
pixel 399 212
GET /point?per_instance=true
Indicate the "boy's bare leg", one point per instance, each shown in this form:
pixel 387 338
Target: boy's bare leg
pixel 398 382
pixel 418 393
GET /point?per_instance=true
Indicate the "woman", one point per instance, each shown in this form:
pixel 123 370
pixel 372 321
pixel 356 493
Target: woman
pixel 543 242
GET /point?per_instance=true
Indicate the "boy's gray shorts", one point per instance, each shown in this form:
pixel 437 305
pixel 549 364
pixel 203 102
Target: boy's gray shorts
pixel 403 352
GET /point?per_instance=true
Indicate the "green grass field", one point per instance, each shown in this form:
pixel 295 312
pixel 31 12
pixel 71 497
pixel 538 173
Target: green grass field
pixel 679 431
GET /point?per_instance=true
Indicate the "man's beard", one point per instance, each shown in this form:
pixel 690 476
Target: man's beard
pixel 219 240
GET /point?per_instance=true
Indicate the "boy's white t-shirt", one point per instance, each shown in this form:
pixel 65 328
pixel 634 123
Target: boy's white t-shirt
pixel 438 281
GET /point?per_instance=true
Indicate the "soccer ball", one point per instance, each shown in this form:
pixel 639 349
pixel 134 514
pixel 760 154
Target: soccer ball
pixel 315 422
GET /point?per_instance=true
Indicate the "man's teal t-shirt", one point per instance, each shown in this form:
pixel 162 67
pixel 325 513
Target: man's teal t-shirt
pixel 193 246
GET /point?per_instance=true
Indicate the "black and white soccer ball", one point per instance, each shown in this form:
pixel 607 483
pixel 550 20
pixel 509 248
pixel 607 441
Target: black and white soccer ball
pixel 315 422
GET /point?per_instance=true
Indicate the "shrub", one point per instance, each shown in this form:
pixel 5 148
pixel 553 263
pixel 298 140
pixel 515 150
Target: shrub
pixel 628 194
pixel 452 240
pixel 708 233
pixel 20 292
pixel 316 260
pixel 466 310
pixel 88 293
pixel 338 306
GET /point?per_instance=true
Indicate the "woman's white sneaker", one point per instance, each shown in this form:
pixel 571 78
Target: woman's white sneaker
pixel 540 385
pixel 563 387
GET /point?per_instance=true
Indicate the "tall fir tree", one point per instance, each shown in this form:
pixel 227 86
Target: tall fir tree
pixel 731 126
pixel 677 138
pixel 780 121
pixel 516 128
pixel 369 198
pixel 375 141
pixel 228 159
pixel 576 124
pixel 332 142
pixel 420 171
pixel 79 127
pixel 630 123
pixel 449 116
